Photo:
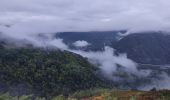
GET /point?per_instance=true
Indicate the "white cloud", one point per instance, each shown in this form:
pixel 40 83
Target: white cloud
pixel 29 18
pixel 81 43
pixel 162 82
pixel 107 61
pixel 37 16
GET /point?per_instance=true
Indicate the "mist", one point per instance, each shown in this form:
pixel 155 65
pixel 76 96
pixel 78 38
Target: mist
pixel 124 72
pixel 115 67
pixel 36 22
pixel 81 43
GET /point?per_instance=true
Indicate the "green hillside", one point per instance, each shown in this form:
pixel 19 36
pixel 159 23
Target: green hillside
pixel 45 72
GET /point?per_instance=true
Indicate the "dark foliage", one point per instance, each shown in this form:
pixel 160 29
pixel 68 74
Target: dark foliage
pixel 46 72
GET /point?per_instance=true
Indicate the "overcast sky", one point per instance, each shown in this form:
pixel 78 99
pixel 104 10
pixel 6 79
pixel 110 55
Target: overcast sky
pixel 44 16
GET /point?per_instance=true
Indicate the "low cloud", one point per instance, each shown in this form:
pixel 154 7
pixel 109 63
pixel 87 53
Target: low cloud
pixel 107 61
pixel 161 82
pixel 37 21
pixel 124 72
pixel 117 68
pixel 81 43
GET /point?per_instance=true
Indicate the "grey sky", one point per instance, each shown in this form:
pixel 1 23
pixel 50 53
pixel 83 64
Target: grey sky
pixel 44 16
pixel 24 19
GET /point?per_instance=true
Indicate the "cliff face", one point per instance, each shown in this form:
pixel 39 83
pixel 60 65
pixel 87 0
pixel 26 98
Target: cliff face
pixel 146 48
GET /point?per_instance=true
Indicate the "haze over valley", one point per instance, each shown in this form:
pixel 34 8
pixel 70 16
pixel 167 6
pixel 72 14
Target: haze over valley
pixel 68 47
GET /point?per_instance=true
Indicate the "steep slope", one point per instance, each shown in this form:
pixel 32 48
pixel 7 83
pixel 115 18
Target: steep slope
pixel 45 72
pixel 146 48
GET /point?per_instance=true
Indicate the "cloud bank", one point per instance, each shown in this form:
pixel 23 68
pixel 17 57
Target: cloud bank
pixel 37 16
pixel 117 68
pixel 124 72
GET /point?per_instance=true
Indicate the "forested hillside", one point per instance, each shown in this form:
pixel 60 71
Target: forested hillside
pixel 45 72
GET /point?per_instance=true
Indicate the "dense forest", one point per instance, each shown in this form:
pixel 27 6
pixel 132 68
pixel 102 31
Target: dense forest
pixel 45 72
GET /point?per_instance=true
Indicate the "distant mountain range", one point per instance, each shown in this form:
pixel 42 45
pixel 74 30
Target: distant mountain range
pixel 97 39
pixel 145 48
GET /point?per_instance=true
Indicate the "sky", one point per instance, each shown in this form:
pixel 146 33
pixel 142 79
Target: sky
pixel 25 19
pixel 48 16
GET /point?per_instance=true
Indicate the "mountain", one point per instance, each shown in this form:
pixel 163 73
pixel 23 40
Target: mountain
pixel 50 72
pixel 146 48
pixel 45 72
pixel 97 40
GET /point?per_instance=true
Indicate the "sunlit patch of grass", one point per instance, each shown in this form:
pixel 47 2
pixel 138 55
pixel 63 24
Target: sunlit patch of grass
pixel 90 93
pixel 106 94
pixel 99 94
pixel 60 97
